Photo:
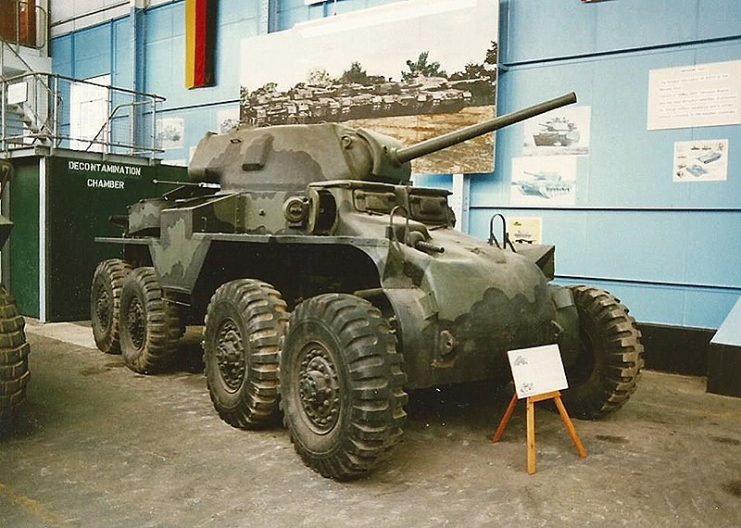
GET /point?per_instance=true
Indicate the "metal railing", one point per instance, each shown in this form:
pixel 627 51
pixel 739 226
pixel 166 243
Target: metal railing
pixel 63 112
pixel 23 23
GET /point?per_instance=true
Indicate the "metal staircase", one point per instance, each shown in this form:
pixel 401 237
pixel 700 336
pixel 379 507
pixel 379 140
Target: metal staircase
pixel 36 107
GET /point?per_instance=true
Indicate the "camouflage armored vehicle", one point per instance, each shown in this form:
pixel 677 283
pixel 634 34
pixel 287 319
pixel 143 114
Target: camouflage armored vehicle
pixel 326 280
pixel 14 349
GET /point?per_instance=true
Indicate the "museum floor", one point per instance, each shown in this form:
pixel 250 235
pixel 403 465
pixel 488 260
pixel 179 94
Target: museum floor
pixel 99 446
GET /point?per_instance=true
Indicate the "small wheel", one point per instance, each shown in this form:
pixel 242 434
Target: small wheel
pixel 150 325
pixel 245 322
pixel 342 385
pixel 105 303
pixel 604 374
pixel 14 350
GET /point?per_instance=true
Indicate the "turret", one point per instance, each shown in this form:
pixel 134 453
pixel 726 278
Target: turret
pixel 290 157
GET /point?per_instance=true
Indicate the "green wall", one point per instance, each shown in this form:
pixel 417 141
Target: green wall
pixel 23 245
pixel 81 197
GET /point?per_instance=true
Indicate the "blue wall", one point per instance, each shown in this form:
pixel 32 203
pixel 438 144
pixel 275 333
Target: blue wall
pixel 107 48
pixel 669 251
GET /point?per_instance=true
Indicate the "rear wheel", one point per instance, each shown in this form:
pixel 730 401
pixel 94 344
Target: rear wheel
pixel 14 350
pixel 150 325
pixel 342 385
pixel 105 303
pixel 604 375
pixel 245 322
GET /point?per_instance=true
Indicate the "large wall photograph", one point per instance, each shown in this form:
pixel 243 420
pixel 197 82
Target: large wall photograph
pixel 412 70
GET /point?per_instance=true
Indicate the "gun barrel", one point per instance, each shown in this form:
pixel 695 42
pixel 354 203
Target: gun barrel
pixel 429 146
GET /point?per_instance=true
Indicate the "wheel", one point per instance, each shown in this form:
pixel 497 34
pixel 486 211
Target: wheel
pixel 150 325
pixel 604 374
pixel 14 350
pixel 341 385
pixel 245 322
pixel 105 303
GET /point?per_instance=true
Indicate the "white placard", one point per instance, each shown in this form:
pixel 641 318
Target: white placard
pixel 701 161
pixel 525 229
pixel 695 96
pixel 537 370
pixel 17 93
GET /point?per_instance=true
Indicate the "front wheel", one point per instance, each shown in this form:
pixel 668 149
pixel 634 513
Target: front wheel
pixel 604 374
pixel 13 359
pixel 342 385
pixel 245 322
pixel 150 325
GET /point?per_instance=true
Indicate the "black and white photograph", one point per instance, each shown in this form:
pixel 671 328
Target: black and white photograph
pixel 405 70
pixel 544 180
pixel 170 133
pixel 562 132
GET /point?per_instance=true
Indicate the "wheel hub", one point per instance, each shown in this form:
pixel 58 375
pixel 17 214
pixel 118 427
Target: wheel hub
pixel 318 388
pixel 136 323
pixel 230 355
pixel 103 308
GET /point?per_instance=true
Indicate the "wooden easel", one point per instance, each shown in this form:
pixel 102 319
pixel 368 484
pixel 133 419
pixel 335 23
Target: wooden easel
pixel 555 396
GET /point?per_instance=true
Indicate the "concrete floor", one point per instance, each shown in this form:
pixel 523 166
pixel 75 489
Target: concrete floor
pixel 99 446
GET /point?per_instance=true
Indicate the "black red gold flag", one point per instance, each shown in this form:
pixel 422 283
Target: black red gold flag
pixel 200 33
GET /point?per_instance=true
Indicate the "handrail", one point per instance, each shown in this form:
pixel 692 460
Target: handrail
pixel 39 117
pixel 110 118
pixel 84 81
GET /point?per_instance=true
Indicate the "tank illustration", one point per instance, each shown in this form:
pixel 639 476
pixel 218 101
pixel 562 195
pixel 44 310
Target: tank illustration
pixel 557 132
pixel 329 286
pixel 544 184
pixel 307 104
pixel 696 170
pixel 14 349
pixel 710 157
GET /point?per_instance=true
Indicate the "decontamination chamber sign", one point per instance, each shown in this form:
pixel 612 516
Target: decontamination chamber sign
pixel 100 173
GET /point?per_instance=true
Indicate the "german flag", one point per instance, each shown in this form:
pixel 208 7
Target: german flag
pixel 200 35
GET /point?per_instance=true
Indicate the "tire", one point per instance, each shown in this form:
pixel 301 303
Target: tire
pixel 150 325
pixel 14 351
pixel 245 323
pixel 342 385
pixel 605 373
pixel 105 304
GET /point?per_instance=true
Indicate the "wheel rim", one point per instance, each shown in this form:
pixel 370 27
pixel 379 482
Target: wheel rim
pixel 136 323
pixel 103 308
pixel 230 355
pixel 319 388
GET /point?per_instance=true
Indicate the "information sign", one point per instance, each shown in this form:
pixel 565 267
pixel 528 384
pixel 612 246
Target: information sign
pixel 537 370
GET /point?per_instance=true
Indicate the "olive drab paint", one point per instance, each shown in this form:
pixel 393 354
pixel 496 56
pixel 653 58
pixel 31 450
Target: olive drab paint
pixel 309 196
pixel 326 209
